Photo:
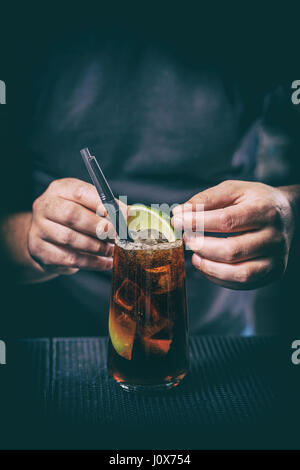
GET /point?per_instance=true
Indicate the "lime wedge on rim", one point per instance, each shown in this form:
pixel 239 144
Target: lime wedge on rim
pixel 141 217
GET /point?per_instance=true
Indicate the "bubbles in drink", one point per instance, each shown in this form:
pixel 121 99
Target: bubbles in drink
pixel 149 237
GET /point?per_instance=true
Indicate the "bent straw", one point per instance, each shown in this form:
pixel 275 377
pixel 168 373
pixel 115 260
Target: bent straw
pixel 106 195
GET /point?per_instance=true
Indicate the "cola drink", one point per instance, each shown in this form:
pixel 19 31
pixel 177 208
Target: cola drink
pixel 148 326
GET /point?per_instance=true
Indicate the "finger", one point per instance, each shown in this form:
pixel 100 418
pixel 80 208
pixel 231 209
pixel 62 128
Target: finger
pixel 83 193
pixel 57 256
pixel 105 230
pixel 75 216
pixel 222 195
pixel 234 249
pixel 104 211
pixel 62 271
pixel 65 236
pixel 78 191
pixel 247 272
pixel 237 218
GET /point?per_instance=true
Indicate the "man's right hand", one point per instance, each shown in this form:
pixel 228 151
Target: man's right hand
pixel 64 228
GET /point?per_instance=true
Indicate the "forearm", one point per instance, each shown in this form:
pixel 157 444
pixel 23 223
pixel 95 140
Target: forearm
pixel 16 262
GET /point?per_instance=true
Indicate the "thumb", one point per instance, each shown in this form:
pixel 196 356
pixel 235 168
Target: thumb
pixel 217 197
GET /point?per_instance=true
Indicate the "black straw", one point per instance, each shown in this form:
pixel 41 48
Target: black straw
pixel 106 195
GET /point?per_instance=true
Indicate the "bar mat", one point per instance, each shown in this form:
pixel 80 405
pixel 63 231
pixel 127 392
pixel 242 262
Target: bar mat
pixel 224 384
pixel 234 396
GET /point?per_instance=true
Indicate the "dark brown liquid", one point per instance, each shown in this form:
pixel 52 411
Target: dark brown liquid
pixel 148 320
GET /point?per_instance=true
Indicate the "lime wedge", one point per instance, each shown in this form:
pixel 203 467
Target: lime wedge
pixel 121 332
pixel 141 217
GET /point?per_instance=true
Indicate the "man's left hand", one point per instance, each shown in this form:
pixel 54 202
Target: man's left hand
pixel 262 220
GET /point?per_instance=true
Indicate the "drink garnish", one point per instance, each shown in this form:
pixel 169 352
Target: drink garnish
pixel 142 218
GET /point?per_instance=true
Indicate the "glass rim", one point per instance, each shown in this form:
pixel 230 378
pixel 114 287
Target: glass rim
pixel 138 245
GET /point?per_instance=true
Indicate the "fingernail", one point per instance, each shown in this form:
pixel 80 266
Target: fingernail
pixel 196 261
pixel 186 244
pixel 177 222
pixel 177 209
pixel 186 238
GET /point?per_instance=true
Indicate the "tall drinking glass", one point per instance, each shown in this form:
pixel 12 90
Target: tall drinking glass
pixel 148 327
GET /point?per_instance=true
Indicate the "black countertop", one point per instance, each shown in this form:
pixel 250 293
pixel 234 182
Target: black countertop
pixel 239 393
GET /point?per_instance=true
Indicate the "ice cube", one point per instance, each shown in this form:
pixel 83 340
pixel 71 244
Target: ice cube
pixel 160 279
pixel 122 331
pixel 146 310
pixel 155 331
pixel 150 330
pixel 127 294
pixel 157 346
pixel 163 279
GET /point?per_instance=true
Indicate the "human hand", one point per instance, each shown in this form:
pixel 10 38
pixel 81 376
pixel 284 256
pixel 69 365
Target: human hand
pixel 65 229
pixel 263 220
